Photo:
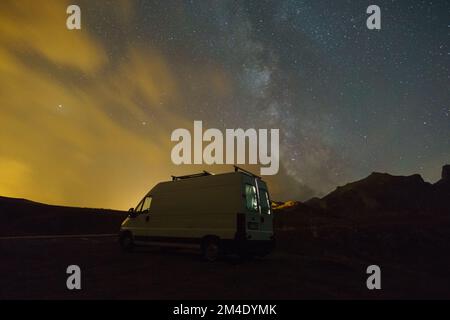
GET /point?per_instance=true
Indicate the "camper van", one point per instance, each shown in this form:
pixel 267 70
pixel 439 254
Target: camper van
pixel 218 214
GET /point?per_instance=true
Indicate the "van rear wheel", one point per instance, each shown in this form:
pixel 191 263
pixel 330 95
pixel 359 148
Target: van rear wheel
pixel 210 249
pixel 126 242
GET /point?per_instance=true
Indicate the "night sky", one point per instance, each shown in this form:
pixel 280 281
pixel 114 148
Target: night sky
pixel 86 115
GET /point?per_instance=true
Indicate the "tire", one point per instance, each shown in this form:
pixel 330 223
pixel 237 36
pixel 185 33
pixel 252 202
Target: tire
pixel 126 242
pixel 211 250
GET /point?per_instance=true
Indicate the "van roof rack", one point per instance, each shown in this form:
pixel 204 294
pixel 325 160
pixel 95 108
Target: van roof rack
pixel 195 175
pixel 239 169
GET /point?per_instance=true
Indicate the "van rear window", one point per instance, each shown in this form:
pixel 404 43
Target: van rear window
pixel 250 197
pixel 264 200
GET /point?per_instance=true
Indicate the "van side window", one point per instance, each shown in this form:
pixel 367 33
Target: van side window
pixel 250 198
pixel 139 206
pixel 265 202
pixel 147 204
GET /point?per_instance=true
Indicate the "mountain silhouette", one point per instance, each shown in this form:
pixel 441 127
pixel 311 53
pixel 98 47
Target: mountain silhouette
pixel 25 217
pixel 442 187
pixel 383 194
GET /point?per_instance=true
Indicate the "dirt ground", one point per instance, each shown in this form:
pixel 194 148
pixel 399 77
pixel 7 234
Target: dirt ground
pixel 36 269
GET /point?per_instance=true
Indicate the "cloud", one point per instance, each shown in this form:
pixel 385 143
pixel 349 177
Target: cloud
pixel 74 151
pixel 62 141
pixel 39 27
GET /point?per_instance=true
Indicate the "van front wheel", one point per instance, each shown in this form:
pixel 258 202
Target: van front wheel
pixel 210 249
pixel 126 242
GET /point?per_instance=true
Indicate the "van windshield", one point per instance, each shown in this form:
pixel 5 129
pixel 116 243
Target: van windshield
pixel 265 202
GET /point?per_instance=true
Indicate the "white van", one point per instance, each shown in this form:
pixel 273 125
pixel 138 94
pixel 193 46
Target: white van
pixel 221 213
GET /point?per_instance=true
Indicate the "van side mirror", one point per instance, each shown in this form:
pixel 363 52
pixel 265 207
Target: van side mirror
pixel 132 213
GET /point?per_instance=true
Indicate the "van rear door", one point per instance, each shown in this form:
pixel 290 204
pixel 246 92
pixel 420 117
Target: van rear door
pixel 258 212
pixel 266 218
